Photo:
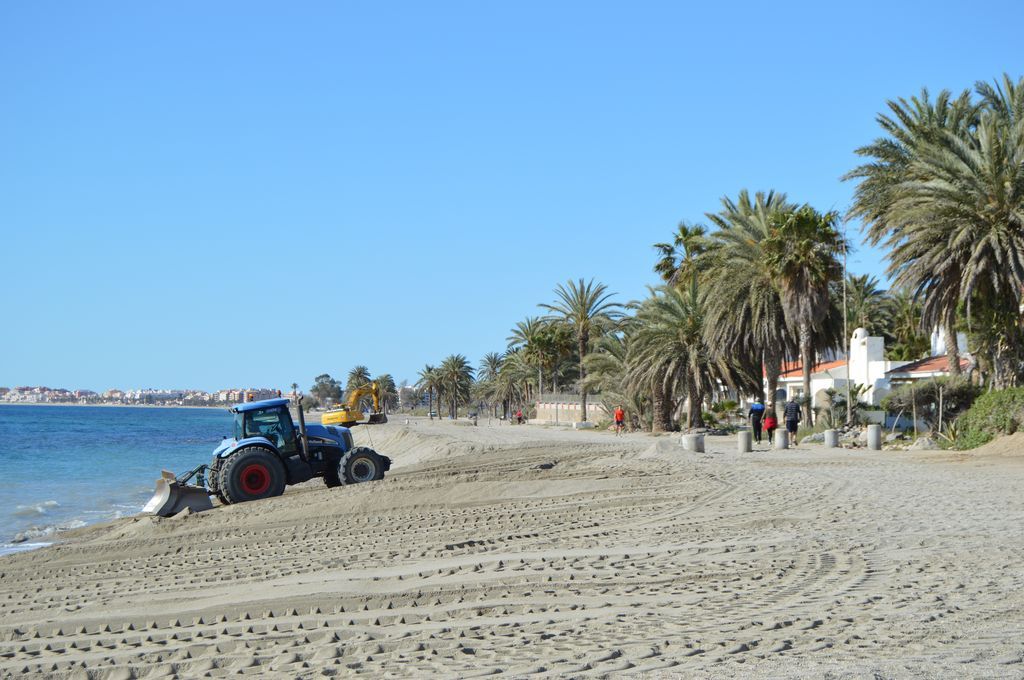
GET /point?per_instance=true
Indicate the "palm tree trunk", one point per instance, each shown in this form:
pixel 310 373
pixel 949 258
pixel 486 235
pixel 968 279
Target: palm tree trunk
pixel 430 400
pixel 772 369
pixel 658 405
pixel 540 384
pixel 952 349
pixel 583 389
pixel 805 360
pixel 695 413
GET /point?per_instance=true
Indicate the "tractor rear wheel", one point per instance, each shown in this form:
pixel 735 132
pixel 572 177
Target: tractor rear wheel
pixel 251 473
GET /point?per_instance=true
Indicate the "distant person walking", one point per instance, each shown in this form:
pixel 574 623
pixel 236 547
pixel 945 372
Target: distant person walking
pixel 771 423
pixel 519 416
pixel 620 419
pixel 791 414
pixel 756 413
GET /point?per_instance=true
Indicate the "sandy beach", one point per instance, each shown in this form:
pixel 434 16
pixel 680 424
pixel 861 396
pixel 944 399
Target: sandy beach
pixel 537 551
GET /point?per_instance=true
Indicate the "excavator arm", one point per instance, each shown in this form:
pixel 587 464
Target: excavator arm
pixel 367 390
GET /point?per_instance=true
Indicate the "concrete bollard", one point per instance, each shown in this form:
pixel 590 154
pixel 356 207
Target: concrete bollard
pixel 781 439
pixel 743 443
pixel 693 442
pixel 832 439
pixel 875 437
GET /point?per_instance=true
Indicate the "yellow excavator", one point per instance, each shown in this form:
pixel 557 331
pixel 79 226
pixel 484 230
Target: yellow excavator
pixel 349 413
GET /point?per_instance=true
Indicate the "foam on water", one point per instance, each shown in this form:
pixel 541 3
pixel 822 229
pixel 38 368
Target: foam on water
pixel 37 509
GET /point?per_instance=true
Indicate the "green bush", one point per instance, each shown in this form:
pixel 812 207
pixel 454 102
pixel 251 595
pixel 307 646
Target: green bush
pixel 957 396
pixel 994 413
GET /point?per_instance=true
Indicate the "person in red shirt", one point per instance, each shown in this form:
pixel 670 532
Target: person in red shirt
pixel 519 416
pixel 770 423
pixel 620 419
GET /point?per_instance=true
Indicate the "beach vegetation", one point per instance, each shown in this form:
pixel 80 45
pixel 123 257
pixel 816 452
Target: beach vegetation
pixel 835 412
pixel 935 402
pixel 995 413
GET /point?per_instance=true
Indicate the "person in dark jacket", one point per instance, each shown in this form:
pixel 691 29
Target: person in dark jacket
pixel 756 413
pixel 791 414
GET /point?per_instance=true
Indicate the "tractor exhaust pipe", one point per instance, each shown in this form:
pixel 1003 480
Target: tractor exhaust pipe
pixel 302 433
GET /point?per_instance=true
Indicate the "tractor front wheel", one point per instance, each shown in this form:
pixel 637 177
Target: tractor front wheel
pixel 251 473
pixel 361 464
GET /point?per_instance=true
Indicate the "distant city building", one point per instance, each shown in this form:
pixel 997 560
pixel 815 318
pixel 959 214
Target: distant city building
pixel 45 395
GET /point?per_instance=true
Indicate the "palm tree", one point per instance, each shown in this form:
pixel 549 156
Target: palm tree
pixel 745 315
pixel 508 385
pixel 487 378
pixel 963 206
pixel 678 260
pixel 669 354
pixel 802 252
pixel 607 371
pixel 525 331
pixel 867 305
pixel 904 328
pixel 387 389
pixel 911 127
pixel 490 366
pixel 529 338
pixel 456 377
pixel 429 381
pixel 357 377
pixel 587 309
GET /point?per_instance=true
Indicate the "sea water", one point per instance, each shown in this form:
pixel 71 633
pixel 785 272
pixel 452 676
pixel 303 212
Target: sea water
pixel 63 467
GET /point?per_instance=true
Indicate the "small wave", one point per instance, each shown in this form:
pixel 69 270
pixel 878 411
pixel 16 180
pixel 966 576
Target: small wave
pixel 42 532
pixel 37 509
pixel 11 548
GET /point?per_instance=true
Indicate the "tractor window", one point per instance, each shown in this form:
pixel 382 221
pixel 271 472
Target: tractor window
pixel 274 423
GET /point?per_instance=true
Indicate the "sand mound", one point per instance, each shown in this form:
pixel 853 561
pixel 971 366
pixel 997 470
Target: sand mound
pixel 1009 445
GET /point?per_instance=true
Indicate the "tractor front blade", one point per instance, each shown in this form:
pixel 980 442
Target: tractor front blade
pixel 171 497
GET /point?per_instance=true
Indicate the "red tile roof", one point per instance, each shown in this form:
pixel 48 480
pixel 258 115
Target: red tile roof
pixel 937 364
pixel 794 369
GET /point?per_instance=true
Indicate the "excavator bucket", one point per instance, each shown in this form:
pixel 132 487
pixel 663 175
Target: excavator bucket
pixel 171 497
pixel 377 419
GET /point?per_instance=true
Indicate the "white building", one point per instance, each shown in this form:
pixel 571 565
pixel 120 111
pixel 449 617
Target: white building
pixel 868 367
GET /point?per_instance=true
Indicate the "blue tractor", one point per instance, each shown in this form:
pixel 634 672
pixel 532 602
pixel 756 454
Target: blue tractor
pixel 265 454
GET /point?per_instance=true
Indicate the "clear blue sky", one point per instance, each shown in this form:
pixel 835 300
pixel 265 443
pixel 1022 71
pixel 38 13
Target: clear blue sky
pixel 222 194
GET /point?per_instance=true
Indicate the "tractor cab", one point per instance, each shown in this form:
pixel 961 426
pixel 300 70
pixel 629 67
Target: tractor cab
pixel 269 419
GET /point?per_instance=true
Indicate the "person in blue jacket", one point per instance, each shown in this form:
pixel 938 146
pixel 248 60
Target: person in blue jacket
pixel 756 413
